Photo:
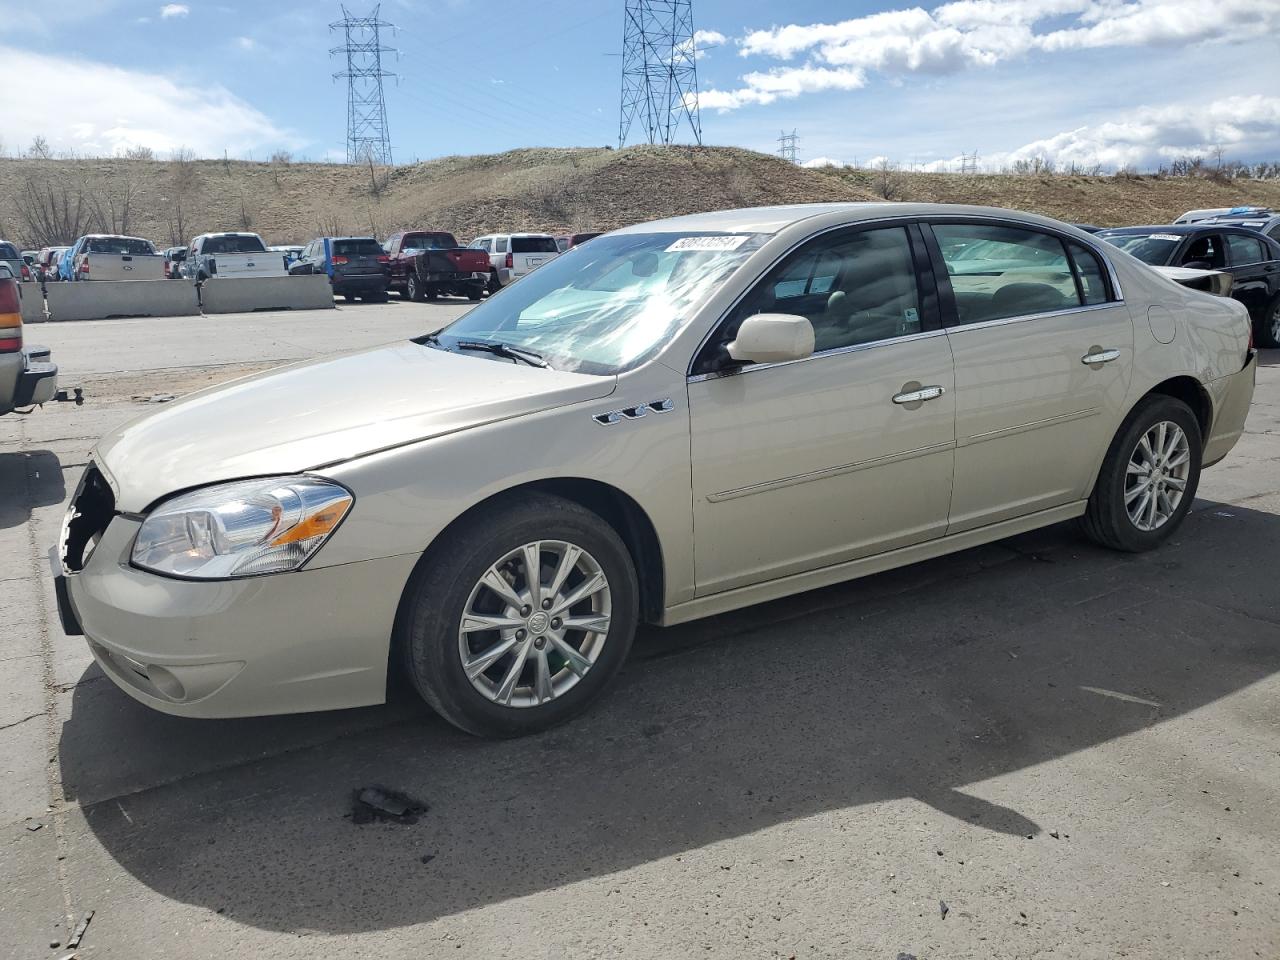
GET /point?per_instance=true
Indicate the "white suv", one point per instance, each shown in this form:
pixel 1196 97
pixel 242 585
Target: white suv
pixel 512 255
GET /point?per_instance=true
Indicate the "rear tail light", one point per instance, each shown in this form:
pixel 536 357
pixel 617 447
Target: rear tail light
pixel 26 272
pixel 383 258
pixel 10 316
pixel 511 261
pixel 84 265
pixel 339 261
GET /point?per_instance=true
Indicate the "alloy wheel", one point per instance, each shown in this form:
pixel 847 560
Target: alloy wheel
pixel 1275 322
pixel 535 623
pixel 1156 476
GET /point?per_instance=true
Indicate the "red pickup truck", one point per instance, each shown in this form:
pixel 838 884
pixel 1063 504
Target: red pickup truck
pixel 426 264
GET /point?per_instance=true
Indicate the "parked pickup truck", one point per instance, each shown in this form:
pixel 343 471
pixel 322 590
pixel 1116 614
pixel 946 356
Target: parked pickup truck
pixel 27 377
pixel 102 256
pixel 231 255
pixel 425 264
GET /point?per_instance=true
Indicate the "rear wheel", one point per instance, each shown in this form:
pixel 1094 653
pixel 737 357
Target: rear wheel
pixel 1267 329
pixel 1148 479
pixel 494 283
pixel 473 294
pixel 414 288
pixel 522 617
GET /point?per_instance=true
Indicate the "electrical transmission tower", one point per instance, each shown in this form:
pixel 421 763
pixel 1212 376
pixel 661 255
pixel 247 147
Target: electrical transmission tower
pixel 969 162
pixel 787 147
pixel 659 71
pixel 368 138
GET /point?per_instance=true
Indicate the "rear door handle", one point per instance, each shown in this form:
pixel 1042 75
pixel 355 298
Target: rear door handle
pixel 919 396
pixel 1100 356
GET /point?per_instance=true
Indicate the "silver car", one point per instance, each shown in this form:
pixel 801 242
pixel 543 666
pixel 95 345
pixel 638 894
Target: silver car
pixel 676 420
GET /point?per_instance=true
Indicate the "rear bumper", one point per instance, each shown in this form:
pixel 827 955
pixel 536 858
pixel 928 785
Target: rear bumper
pixel 364 282
pixel 1231 399
pixel 37 380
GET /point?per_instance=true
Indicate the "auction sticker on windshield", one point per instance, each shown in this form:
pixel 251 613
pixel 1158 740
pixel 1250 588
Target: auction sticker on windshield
pixel 1165 236
pixel 714 244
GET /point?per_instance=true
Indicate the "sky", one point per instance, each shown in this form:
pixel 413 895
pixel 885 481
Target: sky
pixel 1110 82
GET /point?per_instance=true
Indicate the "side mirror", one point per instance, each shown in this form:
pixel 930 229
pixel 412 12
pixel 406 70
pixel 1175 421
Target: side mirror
pixel 772 338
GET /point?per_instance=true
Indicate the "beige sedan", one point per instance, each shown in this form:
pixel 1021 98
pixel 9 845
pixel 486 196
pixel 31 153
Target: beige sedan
pixel 672 421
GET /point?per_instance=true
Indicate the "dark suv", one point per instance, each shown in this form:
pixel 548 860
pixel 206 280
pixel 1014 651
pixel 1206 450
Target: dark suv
pixel 355 266
pixel 1266 222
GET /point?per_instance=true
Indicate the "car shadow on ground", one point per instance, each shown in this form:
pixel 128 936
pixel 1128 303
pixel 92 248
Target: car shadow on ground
pixel 1269 358
pixel 28 480
pixel 920 683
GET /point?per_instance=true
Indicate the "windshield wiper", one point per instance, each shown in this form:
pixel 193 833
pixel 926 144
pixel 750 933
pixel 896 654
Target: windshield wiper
pixel 505 350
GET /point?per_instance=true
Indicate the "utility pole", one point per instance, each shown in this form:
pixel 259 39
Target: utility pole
pixel 368 138
pixel 787 147
pixel 659 71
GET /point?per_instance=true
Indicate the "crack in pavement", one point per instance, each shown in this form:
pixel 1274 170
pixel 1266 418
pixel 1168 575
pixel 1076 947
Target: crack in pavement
pixel 18 723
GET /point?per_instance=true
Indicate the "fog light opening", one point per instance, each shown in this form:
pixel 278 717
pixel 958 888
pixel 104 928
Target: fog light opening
pixel 164 681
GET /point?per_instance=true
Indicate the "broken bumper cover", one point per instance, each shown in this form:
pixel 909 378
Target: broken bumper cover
pixel 286 643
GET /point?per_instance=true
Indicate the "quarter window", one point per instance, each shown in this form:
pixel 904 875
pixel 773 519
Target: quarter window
pixel 1093 284
pixel 853 287
pixel 502 245
pixel 1000 272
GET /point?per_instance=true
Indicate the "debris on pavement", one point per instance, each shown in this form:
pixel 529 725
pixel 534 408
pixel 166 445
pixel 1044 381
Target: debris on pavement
pixel 154 398
pixel 388 806
pixel 81 927
pixel 943 908
pixel 33 827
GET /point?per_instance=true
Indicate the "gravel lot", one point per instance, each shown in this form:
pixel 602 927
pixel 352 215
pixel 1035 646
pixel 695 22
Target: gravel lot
pixel 1077 752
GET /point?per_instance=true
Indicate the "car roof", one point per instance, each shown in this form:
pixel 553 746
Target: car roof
pixel 1182 229
pixel 777 218
pixel 1257 220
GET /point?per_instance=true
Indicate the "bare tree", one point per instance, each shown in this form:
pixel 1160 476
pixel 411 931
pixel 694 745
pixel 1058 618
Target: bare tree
pixel 140 153
pixel 112 199
pixel 39 149
pixel 886 179
pixel 52 210
pixel 184 180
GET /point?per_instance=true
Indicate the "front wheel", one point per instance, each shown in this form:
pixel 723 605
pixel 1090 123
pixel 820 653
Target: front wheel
pixel 1148 479
pixel 414 289
pixel 520 618
pixel 1267 329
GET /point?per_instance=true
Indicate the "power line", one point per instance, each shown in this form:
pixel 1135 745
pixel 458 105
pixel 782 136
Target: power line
pixel 368 137
pixel 787 147
pixel 659 71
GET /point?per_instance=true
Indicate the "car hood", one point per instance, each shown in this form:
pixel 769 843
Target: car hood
pixel 323 412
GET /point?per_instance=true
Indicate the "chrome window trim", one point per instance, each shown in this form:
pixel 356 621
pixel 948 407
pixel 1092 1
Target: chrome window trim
pixel 1087 240
pixel 834 351
pixel 1023 318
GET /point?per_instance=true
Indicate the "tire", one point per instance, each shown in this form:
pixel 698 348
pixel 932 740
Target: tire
pixel 1266 331
pixel 494 283
pixel 349 297
pixel 413 289
pixel 432 294
pixel 378 296
pixel 473 293
pixel 449 584
pixel 1107 520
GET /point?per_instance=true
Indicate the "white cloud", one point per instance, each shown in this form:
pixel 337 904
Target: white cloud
pixel 114 109
pixel 983 33
pixel 709 38
pixel 782 83
pixel 171 10
pixel 819 162
pixel 246 43
pixel 1244 127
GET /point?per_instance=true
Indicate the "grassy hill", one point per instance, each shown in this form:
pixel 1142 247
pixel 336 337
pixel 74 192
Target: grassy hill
pixel 536 189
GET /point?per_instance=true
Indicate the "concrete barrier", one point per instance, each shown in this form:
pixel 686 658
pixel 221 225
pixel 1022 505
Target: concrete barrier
pixel 247 294
pixel 90 300
pixel 32 303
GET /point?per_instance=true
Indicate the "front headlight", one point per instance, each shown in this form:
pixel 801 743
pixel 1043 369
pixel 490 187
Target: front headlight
pixel 241 529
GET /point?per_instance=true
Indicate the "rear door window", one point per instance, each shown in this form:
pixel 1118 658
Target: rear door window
pixel 534 245
pixel 1244 250
pixel 999 272
pixel 1093 283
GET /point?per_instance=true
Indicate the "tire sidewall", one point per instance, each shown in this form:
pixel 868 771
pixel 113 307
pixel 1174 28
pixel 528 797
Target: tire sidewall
pixel 1142 419
pixel 446 582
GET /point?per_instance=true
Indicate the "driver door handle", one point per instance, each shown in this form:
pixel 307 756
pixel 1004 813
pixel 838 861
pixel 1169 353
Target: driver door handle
pixel 1101 356
pixel 919 396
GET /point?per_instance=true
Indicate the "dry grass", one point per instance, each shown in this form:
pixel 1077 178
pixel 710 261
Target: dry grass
pixel 1106 201
pixel 556 190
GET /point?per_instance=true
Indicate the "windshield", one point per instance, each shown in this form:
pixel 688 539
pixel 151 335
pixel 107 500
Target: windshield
pixel 534 245
pixel 123 246
pixel 610 304
pixel 428 241
pixel 234 244
pixel 1152 248
pixel 357 248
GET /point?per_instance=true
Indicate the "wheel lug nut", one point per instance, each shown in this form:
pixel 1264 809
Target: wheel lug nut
pixel 546 604
pixel 540 642
pixel 520 634
pixel 555 623
pixel 526 610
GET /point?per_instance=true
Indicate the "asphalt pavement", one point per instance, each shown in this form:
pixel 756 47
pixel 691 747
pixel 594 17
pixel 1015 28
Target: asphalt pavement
pixel 1033 748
